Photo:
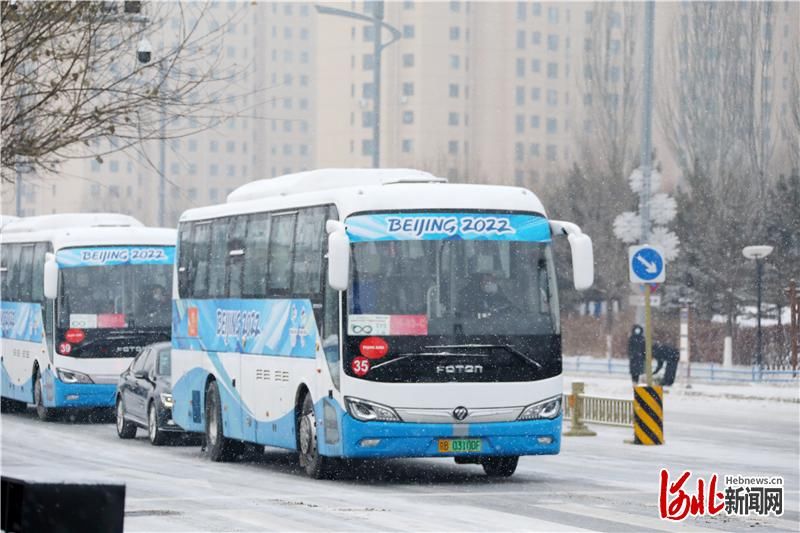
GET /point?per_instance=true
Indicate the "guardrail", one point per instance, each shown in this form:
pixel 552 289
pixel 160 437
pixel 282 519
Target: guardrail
pixel 699 371
pixel 609 411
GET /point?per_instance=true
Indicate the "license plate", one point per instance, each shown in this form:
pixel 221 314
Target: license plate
pixel 459 445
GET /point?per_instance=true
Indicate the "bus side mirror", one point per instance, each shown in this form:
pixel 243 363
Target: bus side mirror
pixel 580 245
pixel 50 277
pixel 338 255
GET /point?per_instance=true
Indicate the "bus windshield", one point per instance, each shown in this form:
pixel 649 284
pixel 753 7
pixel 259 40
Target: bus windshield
pixel 460 287
pixel 118 296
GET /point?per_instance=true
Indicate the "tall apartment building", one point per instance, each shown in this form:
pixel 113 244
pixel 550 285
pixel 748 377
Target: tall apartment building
pixel 496 92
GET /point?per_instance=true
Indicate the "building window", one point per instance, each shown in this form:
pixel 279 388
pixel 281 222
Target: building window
pixel 113 166
pixel 535 121
pixel 552 15
pixel 452 119
pixel 408 88
pixel 536 65
pixel 455 33
pixel 614 19
pixel 522 11
pixel 368 91
pixel 408 31
pixel 536 9
pixel 520 95
pixel 368 62
pixel 230 147
pixel 408 117
pixel 213 170
pixel 213 146
pixel 551 152
pixel 520 67
pixel 367 119
pixel 366 147
pixel 552 43
pixel 455 6
pixel 552 71
pixel 519 121
pixel 453 90
pixel 533 150
pixel 369 34
pixel 614 74
pixel 455 62
pixel 552 97
pixel 408 4
pixel 408 60
pixel 552 125
pixel 519 151
pixel 587 99
pixel 536 38
pixel 452 147
pixel 95 165
pixel 407 146
pixel 521 39
pixel 192 145
pixel 615 46
pixel 536 94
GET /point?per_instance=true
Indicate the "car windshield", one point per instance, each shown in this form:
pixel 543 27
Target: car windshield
pixel 120 296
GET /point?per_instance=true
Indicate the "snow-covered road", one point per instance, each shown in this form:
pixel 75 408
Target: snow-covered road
pixel 597 483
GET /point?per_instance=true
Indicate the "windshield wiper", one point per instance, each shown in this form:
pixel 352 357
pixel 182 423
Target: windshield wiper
pixel 409 355
pixel 506 347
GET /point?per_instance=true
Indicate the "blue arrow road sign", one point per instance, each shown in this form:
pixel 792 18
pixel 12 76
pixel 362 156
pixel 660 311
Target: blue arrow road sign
pixel 646 264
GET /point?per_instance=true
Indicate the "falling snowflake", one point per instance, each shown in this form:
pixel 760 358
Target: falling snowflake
pixel 636 179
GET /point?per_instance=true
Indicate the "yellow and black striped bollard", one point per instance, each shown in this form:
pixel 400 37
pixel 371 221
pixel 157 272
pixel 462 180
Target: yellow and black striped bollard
pixel 648 415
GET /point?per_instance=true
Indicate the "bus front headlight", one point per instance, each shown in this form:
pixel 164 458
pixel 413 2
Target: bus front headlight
pixel 367 411
pixel 549 408
pixel 71 376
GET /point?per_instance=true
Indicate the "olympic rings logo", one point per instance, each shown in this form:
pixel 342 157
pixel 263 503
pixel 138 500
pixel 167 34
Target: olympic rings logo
pixel 361 329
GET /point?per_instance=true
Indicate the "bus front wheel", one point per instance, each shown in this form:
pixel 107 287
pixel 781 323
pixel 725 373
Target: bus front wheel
pixel 316 466
pixel 500 466
pixel 218 447
pixel 44 413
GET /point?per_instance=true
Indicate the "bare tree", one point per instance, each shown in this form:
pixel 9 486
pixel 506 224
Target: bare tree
pixel 716 111
pixel 71 76
pixel 611 86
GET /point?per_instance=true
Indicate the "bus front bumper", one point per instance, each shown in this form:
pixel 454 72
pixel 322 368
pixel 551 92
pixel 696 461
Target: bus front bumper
pixel 402 439
pixel 82 394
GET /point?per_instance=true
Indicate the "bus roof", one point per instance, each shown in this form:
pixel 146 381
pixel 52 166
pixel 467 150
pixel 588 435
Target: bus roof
pixel 96 236
pixel 71 220
pixel 363 190
pixel 328 178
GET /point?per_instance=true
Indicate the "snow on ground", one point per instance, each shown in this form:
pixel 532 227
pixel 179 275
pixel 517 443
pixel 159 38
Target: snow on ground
pixel 619 386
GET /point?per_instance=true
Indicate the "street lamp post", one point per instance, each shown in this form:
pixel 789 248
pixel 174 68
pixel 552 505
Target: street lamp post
pixel 377 23
pixel 758 253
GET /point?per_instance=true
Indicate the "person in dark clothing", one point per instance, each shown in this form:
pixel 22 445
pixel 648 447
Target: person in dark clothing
pixel 482 297
pixel 665 354
pixel 636 353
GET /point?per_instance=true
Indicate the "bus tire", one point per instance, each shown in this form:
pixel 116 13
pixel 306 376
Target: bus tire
pixel 500 466
pixel 316 466
pixel 7 405
pixel 218 447
pixel 44 413
pixel 154 433
pixel 125 428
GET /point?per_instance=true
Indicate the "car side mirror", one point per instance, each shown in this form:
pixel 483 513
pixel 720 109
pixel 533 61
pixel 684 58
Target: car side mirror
pixel 50 277
pixel 582 254
pixel 338 255
pixel 140 374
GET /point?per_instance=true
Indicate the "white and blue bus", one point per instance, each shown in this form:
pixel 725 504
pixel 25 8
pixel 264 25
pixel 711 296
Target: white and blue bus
pixel 81 294
pixel 372 314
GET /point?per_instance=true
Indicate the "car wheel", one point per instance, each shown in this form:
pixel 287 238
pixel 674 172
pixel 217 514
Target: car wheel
pixel 44 413
pixel 316 466
pixel 218 447
pixel 125 429
pixel 154 433
pixel 500 466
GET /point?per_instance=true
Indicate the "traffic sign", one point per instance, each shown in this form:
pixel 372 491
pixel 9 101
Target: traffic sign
pixel 646 264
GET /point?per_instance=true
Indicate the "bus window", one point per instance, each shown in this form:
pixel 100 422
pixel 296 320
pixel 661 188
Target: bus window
pixel 11 288
pixel 254 284
pixel 199 261
pixel 25 274
pixel 217 258
pixel 184 260
pixel 308 252
pixel 281 247
pixel 236 255
pixel 38 271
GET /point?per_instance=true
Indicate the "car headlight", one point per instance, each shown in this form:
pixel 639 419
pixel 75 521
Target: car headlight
pixel 366 411
pixel 70 376
pixel 166 399
pixel 549 408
